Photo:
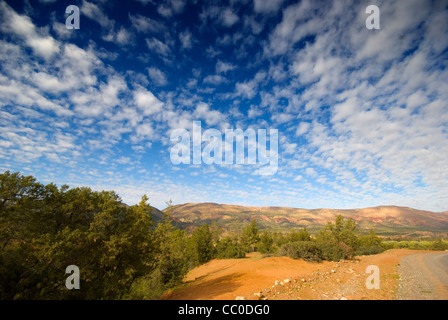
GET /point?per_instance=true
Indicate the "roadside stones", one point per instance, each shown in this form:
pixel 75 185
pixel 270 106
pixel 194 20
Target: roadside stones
pixel 258 296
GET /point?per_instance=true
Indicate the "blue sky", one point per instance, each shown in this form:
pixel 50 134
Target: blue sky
pixel 362 115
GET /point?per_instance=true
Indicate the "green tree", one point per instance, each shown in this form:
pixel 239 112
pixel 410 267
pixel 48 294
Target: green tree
pixel 227 248
pixel 201 245
pixel 44 229
pixel 307 250
pixel 171 261
pixel 339 240
pixel 266 242
pixel 301 235
pixel 250 236
pixel 369 244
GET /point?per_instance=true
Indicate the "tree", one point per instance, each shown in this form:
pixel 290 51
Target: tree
pixel 370 239
pixel 301 235
pixel 250 236
pixel 266 242
pixel 339 240
pixel 171 261
pixel 226 248
pixel 201 245
pixel 44 229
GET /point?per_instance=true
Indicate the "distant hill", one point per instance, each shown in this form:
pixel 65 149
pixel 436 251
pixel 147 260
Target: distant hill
pixel 385 220
pixel 157 216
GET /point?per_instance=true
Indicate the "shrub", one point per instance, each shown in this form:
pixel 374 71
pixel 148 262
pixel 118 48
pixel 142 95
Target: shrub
pixel 335 251
pixel 200 245
pixel 306 250
pixel 266 244
pixel 227 249
pixel 369 250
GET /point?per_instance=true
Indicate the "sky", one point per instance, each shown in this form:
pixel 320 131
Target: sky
pixel 361 114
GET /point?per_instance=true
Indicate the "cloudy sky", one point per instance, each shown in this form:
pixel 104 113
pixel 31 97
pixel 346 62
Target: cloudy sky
pixel 362 115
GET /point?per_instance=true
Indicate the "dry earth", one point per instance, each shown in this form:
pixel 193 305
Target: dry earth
pixel 228 279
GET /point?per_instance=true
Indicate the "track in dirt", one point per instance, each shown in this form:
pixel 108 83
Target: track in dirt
pixel 424 276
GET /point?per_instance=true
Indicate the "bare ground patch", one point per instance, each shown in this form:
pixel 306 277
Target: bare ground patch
pixel 227 279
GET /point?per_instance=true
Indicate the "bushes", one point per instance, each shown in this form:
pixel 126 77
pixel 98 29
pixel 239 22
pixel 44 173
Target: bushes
pixel 363 251
pixel 307 250
pixel 334 242
pixel 44 229
pixel 438 244
pixel 228 249
pixel 266 244
pixel 369 244
pixel 335 251
pixel 200 245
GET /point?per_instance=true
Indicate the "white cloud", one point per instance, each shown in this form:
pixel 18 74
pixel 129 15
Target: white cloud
pixel 124 36
pixel 302 129
pixel 157 76
pixel 158 46
pixel 214 79
pixel 262 6
pixel 211 117
pixel 249 88
pixel 186 39
pixel 95 13
pixel 44 46
pixel 171 7
pixel 228 18
pixel 223 67
pixel 147 102
pixel 145 24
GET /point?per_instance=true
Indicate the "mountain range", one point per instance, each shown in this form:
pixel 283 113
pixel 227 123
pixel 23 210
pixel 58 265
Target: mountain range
pixel 390 221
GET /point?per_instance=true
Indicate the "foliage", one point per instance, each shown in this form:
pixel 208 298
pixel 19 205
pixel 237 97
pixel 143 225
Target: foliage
pixel 335 241
pixel 227 248
pixel 201 247
pixel 171 262
pixel 292 236
pixel 369 244
pixel 339 240
pixel 438 244
pixel 250 236
pixel 44 229
pixel 266 243
pixel 307 250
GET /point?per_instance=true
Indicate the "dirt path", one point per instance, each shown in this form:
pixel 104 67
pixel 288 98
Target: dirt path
pixel 227 279
pixel 424 276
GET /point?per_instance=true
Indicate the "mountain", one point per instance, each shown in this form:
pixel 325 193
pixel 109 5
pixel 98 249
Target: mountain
pixel 385 220
pixel 157 216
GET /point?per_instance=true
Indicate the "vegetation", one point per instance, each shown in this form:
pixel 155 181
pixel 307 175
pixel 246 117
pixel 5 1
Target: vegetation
pixel 437 244
pixel 119 250
pixel 335 241
pixel 123 254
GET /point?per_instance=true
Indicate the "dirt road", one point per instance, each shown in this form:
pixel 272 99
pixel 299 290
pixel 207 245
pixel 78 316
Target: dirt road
pixel 424 276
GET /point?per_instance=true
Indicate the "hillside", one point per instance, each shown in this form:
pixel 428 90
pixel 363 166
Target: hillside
pixel 385 220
